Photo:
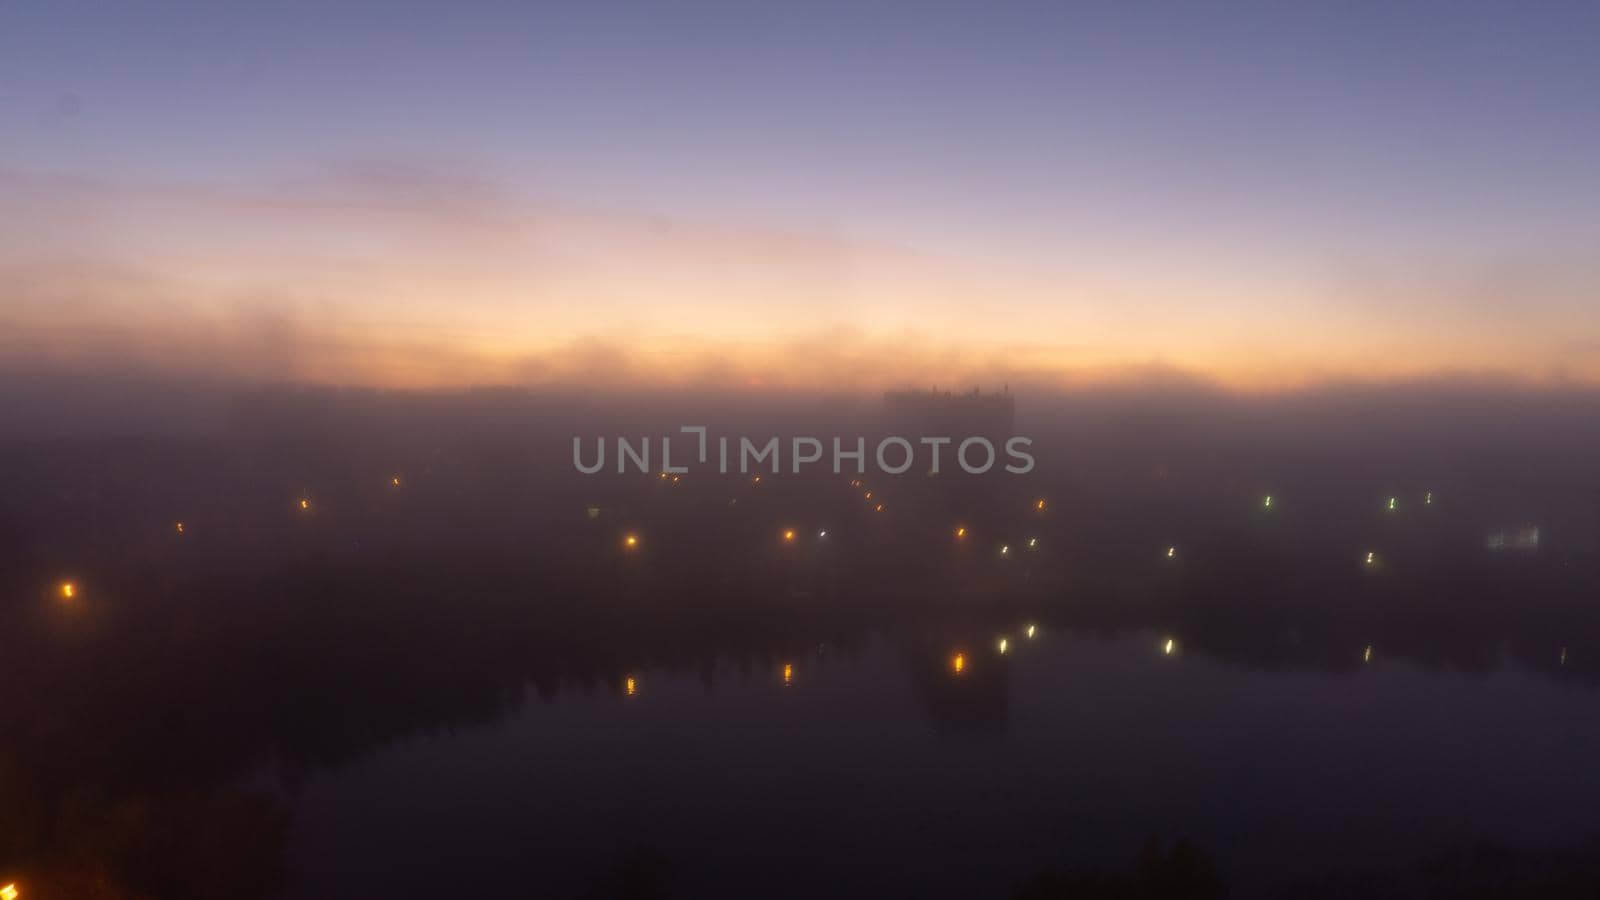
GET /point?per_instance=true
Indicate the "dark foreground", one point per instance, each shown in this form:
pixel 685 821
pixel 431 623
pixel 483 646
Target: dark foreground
pixel 470 683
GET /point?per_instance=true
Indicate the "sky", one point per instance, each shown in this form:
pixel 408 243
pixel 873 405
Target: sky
pixel 859 195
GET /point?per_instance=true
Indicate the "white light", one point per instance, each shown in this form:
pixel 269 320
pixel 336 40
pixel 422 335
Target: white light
pixel 1172 552
pixel 1003 645
pixel 823 533
pixel 1030 631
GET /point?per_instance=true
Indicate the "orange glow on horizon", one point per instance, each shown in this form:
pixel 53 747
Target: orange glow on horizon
pixel 865 364
pixel 1225 324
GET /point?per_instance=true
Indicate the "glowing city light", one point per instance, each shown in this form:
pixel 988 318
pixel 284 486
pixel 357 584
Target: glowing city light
pixel 1003 645
pixel 1172 552
pixel 1033 543
pixel 395 481
pixel 1366 655
pixel 788 672
pixel 959 663
pixel 1393 503
pixel 823 533
pixel 179 527
pixel 961 533
pixel 879 507
pixel 1427 499
pixel 304 503
pixel 9 892
pixel 68 590
pixel 630 687
pixel 630 542
pixel 1267 502
pixel 1005 549
pixel 1372 558
pixel 869 495
pixel 1563 656
pixel 788 535
pixel 1039 505
pixel 1169 646
pixel 1031 629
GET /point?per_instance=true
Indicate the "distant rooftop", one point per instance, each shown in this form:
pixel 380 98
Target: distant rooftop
pixel 972 412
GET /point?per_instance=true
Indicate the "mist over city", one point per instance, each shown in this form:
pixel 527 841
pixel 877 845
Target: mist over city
pixel 1029 451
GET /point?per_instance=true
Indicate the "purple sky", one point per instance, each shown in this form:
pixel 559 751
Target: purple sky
pixel 808 193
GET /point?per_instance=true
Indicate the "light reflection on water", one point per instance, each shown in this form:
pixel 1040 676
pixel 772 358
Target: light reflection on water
pixel 914 766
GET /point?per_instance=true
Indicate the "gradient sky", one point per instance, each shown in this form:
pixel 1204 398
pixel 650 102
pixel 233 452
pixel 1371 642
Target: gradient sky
pixel 802 194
